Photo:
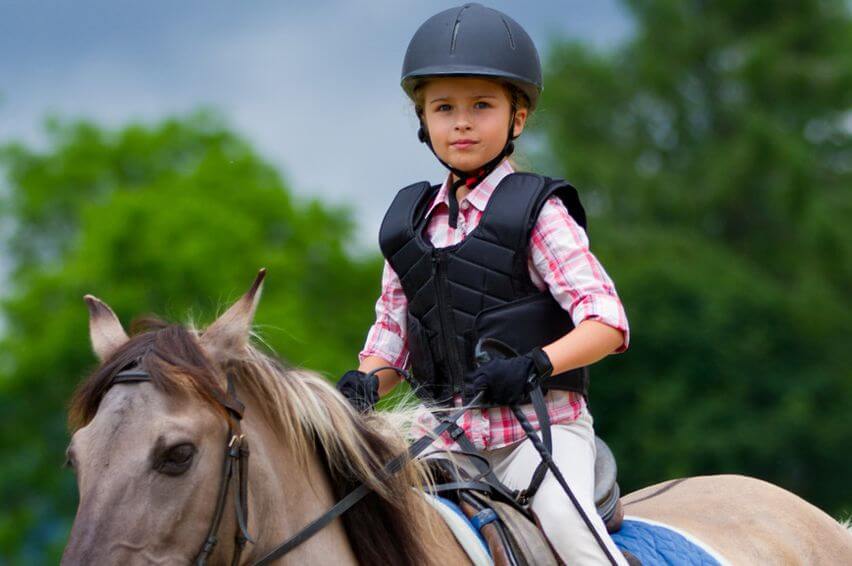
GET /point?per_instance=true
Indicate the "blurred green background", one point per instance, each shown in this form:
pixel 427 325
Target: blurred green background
pixel 713 151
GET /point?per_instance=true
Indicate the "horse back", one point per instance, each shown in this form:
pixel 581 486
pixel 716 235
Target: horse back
pixel 745 520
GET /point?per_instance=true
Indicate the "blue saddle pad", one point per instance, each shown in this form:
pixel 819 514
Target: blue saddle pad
pixel 457 510
pixel 658 544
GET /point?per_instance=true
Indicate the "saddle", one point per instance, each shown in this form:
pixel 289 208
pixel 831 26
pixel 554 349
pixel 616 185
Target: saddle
pixel 511 530
pixel 607 492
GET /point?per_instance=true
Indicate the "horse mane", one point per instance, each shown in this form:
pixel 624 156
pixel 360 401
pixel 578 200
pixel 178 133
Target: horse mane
pixel 392 525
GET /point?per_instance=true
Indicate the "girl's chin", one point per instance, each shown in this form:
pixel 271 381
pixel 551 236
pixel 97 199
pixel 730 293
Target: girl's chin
pixel 467 165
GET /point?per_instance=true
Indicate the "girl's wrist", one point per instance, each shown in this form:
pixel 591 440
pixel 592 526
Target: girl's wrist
pixel 542 363
pixel 388 378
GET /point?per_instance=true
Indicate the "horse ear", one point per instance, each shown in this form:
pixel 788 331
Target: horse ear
pixel 228 335
pixel 105 330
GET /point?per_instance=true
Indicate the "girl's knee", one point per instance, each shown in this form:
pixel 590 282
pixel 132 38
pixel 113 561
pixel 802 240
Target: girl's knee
pixel 561 516
pixel 570 535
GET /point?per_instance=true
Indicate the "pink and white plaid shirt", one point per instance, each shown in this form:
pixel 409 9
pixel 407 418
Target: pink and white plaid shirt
pixel 560 261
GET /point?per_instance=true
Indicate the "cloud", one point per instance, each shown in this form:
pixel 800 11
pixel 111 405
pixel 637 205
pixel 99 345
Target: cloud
pixel 314 86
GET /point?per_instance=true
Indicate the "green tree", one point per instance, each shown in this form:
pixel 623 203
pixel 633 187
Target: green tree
pixel 714 152
pixel 172 218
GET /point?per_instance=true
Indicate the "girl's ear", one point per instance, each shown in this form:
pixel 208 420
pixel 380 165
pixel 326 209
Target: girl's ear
pixel 521 115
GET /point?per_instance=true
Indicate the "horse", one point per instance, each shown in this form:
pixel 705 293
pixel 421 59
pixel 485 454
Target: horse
pixel 164 423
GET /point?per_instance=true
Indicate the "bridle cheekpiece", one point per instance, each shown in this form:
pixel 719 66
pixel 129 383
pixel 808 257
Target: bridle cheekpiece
pixel 234 466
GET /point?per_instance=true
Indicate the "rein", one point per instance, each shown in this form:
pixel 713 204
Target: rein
pixel 235 466
pixel 362 490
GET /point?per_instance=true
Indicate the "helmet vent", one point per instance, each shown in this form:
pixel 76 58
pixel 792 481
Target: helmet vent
pixel 509 33
pixel 456 27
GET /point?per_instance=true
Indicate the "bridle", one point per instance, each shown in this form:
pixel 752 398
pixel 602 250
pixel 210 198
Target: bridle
pixel 234 466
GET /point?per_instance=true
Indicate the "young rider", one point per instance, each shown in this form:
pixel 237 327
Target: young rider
pixel 495 254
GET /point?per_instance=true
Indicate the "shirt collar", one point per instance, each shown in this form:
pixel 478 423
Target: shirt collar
pixel 478 196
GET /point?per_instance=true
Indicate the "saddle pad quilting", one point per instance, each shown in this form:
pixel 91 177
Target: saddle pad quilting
pixel 655 543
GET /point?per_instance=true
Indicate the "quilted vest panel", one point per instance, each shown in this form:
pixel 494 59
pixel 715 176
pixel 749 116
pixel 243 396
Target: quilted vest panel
pixel 479 288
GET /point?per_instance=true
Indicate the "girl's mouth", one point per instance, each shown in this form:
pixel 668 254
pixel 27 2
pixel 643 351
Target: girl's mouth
pixel 462 144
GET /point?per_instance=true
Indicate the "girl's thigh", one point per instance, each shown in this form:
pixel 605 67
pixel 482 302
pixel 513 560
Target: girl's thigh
pixel 573 452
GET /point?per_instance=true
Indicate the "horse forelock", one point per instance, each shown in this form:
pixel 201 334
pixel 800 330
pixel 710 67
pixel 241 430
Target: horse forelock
pixel 172 356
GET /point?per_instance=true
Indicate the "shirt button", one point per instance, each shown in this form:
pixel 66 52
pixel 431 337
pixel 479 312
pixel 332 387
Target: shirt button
pixel 465 205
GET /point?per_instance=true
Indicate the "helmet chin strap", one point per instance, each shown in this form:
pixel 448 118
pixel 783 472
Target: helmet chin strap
pixel 468 178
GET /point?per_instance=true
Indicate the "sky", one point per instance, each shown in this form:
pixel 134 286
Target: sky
pixel 314 86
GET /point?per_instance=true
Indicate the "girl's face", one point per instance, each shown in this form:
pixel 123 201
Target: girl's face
pixel 468 119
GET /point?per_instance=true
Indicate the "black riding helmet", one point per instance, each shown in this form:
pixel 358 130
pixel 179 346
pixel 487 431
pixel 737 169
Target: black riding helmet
pixel 472 41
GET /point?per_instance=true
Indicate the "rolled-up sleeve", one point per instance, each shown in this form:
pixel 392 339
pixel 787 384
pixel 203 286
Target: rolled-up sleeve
pixel 387 337
pixel 560 260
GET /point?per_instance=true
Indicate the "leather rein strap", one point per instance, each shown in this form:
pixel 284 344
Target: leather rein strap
pixel 234 466
pixel 362 490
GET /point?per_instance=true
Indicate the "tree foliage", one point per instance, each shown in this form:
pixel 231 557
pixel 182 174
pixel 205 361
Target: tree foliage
pixel 170 219
pixel 714 152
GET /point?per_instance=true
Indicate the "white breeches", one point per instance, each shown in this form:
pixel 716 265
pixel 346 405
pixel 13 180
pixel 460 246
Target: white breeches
pixel 574 453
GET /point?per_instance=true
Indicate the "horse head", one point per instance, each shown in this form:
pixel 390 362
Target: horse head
pixel 145 452
pixel 155 423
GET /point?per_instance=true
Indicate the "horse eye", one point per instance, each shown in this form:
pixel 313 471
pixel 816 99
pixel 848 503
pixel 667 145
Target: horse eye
pixel 176 460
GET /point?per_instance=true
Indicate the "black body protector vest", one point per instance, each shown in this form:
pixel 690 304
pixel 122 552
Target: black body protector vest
pixel 478 288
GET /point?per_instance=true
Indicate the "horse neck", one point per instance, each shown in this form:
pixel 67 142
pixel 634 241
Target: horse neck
pixel 284 497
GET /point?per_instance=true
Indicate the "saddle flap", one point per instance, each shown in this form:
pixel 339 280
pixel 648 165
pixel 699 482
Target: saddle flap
pixel 511 537
pixel 607 492
pixel 605 470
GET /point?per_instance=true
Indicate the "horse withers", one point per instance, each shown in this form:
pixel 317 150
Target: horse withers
pixel 160 455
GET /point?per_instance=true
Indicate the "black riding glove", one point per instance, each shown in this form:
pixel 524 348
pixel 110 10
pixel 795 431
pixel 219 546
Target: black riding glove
pixel 507 380
pixel 361 390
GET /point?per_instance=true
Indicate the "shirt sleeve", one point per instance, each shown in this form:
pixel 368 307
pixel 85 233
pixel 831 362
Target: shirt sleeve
pixel 387 337
pixel 560 260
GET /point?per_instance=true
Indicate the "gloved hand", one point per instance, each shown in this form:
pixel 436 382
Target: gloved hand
pixel 361 390
pixel 507 380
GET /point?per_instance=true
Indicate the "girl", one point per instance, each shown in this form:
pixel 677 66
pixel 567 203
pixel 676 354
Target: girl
pixel 493 254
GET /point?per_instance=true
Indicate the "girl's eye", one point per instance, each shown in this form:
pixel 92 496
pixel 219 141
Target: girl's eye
pixel 481 105
pixel 443 108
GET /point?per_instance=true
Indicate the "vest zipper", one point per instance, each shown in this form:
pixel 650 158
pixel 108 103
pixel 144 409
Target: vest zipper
pixel 448 328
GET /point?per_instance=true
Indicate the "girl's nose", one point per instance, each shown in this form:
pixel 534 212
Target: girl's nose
pixel 463 123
